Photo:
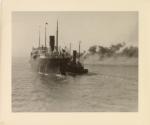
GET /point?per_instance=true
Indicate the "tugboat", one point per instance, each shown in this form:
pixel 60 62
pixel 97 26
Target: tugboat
pixel 76 67
pixel 51 59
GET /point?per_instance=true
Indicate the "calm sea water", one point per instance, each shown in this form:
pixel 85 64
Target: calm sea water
pixel 104 89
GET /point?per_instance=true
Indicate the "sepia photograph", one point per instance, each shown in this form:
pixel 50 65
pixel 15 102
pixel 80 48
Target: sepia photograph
pixel 74 61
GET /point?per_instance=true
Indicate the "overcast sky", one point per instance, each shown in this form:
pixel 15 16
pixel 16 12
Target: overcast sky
pixel 92 28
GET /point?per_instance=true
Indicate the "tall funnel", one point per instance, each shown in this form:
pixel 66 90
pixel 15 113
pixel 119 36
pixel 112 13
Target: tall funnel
pixel 74 56
pixel 52 42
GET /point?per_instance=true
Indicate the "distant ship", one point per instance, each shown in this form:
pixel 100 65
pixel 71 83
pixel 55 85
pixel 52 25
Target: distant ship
pixel 52 59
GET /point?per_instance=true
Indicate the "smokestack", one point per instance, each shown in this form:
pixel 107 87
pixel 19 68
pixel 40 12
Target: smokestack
pixel 52 42
pixel 74 56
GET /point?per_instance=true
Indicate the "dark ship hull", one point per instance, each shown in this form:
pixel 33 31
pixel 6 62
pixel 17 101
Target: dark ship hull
pixel 49 65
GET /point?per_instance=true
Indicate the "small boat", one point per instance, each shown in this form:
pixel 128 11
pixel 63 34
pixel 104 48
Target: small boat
pixel 76 67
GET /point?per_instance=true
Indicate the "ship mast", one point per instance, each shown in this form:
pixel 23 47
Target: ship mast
pixel 70 48
pixel 45 33
pixel 39 37
pixel 57 37
pixel 79 49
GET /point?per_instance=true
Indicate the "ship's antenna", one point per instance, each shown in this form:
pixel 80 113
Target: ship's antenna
pixel 70 48
pixel 39 37
pixel 57 37
pixel 45 33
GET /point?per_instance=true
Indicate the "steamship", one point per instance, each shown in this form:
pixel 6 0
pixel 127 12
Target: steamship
pixel 52 59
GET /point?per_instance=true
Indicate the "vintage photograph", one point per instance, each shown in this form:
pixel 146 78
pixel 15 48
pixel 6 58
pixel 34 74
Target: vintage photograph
pixel 75 61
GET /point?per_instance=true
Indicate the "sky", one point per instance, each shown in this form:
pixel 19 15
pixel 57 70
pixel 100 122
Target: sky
pixel 91 28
